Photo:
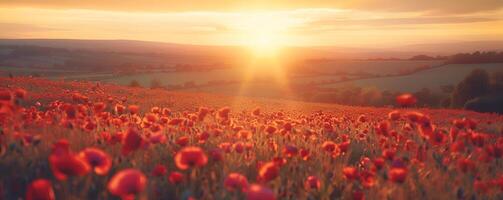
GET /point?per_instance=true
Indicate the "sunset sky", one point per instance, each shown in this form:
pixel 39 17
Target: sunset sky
pixel 357 23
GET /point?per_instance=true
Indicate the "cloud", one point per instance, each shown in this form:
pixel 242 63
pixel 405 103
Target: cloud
pixel 402 21
pixel 430 6
pixel 16 28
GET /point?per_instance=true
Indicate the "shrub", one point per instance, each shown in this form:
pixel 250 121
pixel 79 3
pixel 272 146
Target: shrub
pixel 490 103
pixel 476 84
pixel 134 83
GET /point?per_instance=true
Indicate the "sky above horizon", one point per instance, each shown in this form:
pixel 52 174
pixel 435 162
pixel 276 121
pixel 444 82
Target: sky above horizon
pixel 356 23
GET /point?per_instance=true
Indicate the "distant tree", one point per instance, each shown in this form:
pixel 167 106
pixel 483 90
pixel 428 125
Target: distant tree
pixel 497 77
pixel 476 84
pixel 421 57
pixel 388 97
pixel 155 83
pixel 189 84
pixel 371 97
pixel 489 103
pixel 448 89
pixel 427 98
pixel 446 102
pixel 35 75
pixel 476 57
pixel 134 83
pixel 497 83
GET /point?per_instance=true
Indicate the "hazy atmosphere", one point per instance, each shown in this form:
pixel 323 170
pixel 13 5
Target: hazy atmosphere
pixel 253 100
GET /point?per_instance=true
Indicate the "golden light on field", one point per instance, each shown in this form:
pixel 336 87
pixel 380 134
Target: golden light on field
pixel 264 34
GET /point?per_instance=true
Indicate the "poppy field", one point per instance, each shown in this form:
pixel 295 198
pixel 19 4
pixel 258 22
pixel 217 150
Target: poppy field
pixel 85 140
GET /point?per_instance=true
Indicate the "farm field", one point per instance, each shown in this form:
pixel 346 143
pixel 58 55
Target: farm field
pixel 431 79
pixel 323 72
pixel 376 67
pixel 85 140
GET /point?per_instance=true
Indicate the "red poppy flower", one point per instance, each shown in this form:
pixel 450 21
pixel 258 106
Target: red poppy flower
pixel 175 177
pixel 163 111
pixel 239 147
pixel 470 123
pixel 182 141
pixel 203 136
pixel 350 173
pixel 466 165
pixel 329 146
pixel 362 119
pixel 235 181
pixel 64 163
pixel 244 134
pixel 175 121
pixel 5 96
pixel 133 109
pixel 224 112
pixel 131 141
pixel 202 112
pixel 482 186
pixel 159 170
pixel 225 146
pixel 397 174
pixel 216 154
pixel 358 195
pixel 68 165
pixel 256 111
pixel 394 115
pixel 406 100
pixel 383 128
pixel 312 183
pixel 367 178
pixel 151 117
pixel 344 146
pixel 270 130
pixel 258 192
pixel 389 154
pixel 478 139
pixel 268 171
pixel 190 157
pixel 97 159
pixel 155 110
pixel 119 109
pixel 127 183
pixel 438 137
pixel 287 126
pixel 304 153
pixel 157 138
pixel 40 189
pixel 20 93
pixel 99 107
pixel 279 161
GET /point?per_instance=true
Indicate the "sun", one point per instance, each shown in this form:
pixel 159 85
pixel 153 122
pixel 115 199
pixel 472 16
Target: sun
pixel 264 33
pixel 264 45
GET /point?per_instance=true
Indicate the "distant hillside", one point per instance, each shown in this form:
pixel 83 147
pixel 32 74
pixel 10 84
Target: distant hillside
pixel 114 45
pixel 406 51
pixel 454 47
pixel 130 55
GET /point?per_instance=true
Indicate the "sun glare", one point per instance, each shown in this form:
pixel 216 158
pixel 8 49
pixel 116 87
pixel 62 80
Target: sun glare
pixel 264 33
pixel 264 45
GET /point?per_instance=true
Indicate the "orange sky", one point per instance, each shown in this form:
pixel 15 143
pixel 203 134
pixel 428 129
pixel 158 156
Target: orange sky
pixel 357 23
